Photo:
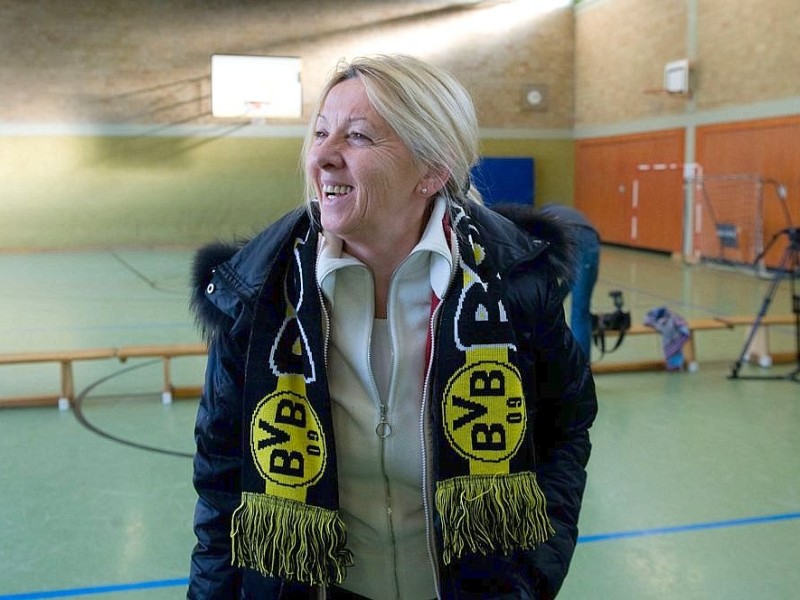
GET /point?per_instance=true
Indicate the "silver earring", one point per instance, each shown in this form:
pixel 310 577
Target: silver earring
pixel 424 190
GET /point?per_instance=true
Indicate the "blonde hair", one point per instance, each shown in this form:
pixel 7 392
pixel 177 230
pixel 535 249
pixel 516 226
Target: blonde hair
pixel 426 106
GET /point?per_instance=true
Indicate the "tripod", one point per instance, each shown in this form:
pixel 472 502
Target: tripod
pixel 789 265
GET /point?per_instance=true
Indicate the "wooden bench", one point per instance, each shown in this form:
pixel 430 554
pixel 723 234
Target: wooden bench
pixel 689 349
pixel 759 348
pixel 166 354
pixel 759 351
pixel 66 358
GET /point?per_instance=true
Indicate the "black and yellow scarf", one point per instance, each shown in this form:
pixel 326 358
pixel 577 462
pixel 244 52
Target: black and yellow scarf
pixel 486 494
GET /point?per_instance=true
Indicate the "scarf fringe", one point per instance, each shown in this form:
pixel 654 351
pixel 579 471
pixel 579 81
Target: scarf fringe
pixel 490 513
pixel 287 539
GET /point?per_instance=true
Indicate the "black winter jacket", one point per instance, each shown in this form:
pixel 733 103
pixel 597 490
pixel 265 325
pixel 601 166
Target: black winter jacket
pixel 558 384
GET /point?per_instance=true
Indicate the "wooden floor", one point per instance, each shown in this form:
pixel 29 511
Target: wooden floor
pixel 694 481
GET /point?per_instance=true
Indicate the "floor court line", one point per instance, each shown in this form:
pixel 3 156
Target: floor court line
pixel 606 537
pixel 106 589
pixel 587 539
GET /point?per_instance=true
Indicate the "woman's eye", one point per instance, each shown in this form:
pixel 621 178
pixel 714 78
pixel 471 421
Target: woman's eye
pixel 319 135
pixel 358 136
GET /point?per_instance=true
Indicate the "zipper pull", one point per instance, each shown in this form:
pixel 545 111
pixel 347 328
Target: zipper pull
pixel 383 429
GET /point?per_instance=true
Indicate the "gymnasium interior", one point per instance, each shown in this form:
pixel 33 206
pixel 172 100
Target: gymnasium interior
pixel 673 126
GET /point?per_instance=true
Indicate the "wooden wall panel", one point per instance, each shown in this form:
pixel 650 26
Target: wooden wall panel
pixel 766 148
pixel 597 191
pixel 631 187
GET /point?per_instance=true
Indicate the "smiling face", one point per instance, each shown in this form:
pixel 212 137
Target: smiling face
pixel 368 184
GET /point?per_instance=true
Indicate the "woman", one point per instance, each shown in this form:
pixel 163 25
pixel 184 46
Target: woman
pixel 394 406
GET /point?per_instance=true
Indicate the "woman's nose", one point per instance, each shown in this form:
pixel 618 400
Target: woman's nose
pixel 326 153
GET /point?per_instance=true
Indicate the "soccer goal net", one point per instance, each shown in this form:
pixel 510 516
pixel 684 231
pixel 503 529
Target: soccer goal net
pixel 728 218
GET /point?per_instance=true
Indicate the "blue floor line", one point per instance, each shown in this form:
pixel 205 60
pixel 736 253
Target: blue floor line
pixel 605 537
pixel 106 589
pixel 585 539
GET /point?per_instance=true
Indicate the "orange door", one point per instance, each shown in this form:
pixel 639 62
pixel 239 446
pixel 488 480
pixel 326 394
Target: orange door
pixel 657 207
pixel 631 187
pixel 601 192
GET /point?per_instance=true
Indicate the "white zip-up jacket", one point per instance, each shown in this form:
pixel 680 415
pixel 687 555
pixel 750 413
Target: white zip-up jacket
pixel 376 372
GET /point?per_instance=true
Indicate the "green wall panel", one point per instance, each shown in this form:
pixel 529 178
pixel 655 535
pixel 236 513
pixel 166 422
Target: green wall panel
pixel 76 192
pixel 79 192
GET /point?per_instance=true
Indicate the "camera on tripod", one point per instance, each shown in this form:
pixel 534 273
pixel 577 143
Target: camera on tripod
pixel 616 296
pixel 618 320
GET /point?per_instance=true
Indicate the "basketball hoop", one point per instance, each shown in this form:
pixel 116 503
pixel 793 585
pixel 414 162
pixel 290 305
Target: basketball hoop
pixel 667 93
pixel 255 87
pixel 256 109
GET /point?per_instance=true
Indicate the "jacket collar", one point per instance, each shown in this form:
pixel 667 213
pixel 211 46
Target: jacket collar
pixel 433 240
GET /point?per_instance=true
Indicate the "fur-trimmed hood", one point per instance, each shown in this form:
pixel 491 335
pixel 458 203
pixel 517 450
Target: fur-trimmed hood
pixel 562 252
pixel 204 267
pixel 226 277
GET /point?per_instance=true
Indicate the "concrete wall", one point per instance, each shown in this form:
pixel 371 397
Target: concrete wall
pixel 106 136
pixel 621 49
pixel 116 61
pixel 743 56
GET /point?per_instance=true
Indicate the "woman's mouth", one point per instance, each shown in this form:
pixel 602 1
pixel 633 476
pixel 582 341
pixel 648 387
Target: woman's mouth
pixel 334 191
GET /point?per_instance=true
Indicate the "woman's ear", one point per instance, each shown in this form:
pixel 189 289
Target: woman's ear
pixel 434 180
